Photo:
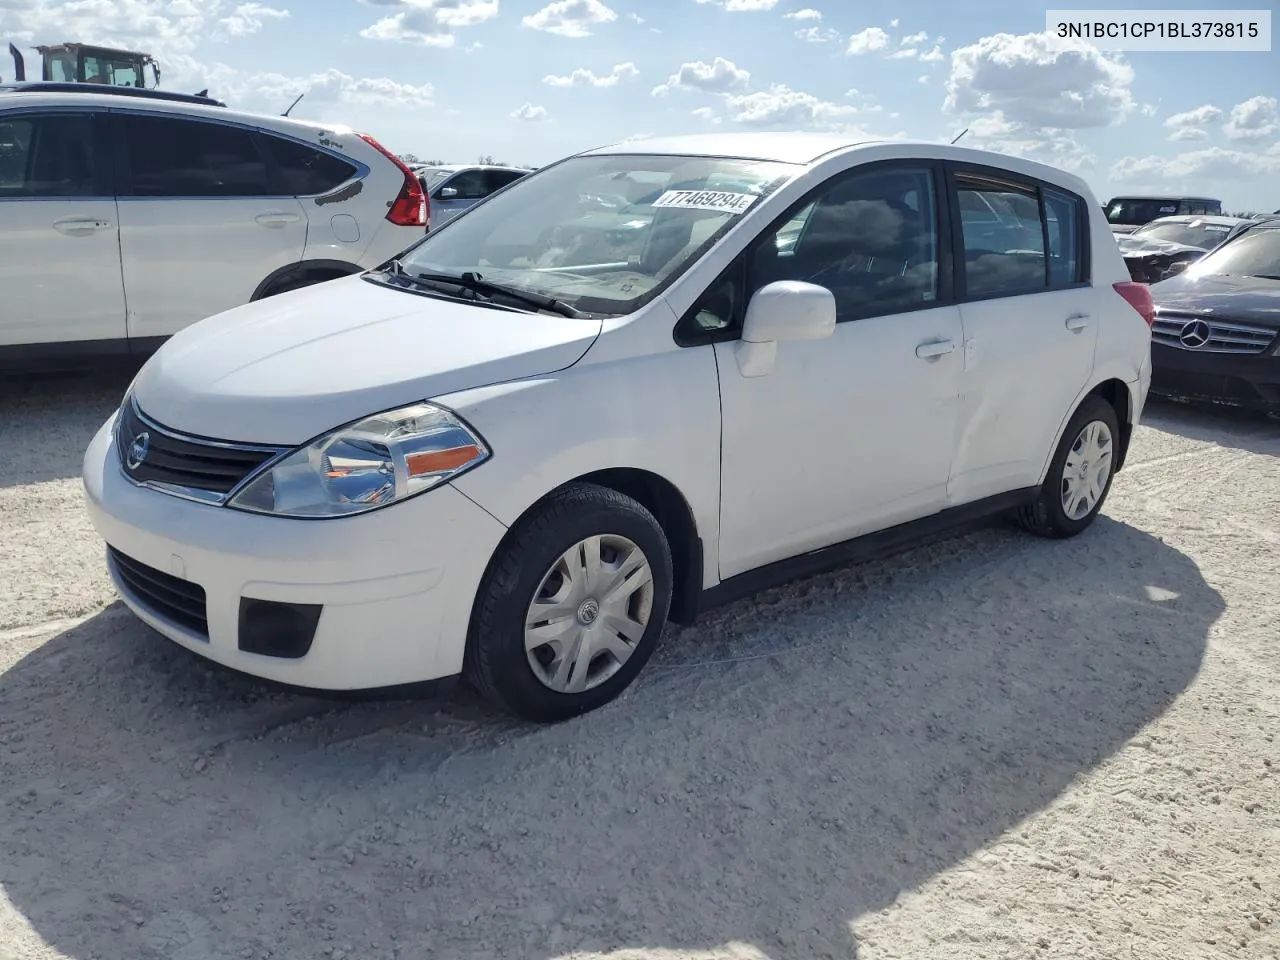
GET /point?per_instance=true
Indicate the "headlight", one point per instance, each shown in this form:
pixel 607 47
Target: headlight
pixel 367 464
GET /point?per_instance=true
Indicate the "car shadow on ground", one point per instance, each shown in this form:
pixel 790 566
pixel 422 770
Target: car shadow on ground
pixel 46 422
pixel 1215 423
pixel 796 761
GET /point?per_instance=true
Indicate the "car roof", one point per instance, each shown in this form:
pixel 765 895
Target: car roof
pixel 22 96
pixel 1162 196
pixel 1215 219
pixel 782 147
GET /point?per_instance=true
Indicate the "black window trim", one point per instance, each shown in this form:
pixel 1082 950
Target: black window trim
pixel 997 176
pixel 106 176
pixel 124 171
pixel 944 216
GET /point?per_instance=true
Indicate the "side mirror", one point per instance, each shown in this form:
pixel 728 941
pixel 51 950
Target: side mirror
pixel 448 193
pixel 783 310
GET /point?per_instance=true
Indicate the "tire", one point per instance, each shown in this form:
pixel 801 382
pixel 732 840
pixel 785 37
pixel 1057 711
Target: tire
pixel 553 681
pixel 1048 515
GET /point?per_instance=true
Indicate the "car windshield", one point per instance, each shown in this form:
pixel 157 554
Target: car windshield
pixel 1131 210
pixel 1196 233
pixel 603 234
pixel 1252 254
pixel 431 178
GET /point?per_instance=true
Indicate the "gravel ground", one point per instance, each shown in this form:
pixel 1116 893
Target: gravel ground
pixel 992 747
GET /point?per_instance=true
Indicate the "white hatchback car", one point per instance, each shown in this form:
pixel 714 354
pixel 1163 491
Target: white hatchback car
pixel 127 214
pixel 635 383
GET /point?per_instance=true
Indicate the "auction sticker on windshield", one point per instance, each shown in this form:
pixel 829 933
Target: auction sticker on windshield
pixel 716 200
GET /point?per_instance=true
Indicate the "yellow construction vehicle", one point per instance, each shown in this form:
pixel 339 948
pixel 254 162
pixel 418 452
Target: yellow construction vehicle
pixel 86 63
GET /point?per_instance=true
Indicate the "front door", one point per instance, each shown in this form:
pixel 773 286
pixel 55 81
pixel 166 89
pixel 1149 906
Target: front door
pixel 200 228
pixel 854 433
pixel 59 235
pixel 1030 328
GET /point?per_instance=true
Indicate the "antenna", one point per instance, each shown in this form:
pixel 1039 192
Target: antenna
pixel 294 104
pixel 959 135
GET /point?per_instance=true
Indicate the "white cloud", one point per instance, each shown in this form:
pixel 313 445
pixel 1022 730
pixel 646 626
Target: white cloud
pixel 915 39
pixel 818 34
pixel 909 53
pixel 249 18
pixel 780 105
pixel 531 113
pixel 719 76
pixel 707 114
pixel 1255 119
pixel 894 23
pixel 635 18
pixel 1192 170
pixel 1148 109
pixel 1189 125
pixel 588 78
pixel 743 6
pixel 428 23
pixel 868 41
pixel 329 88
pixel 570 18
pixel 1039 81
pixel 934 55
pixel 923 79
pixel 808 13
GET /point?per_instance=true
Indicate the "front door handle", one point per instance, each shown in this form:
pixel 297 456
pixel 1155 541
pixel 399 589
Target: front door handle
pixel 932 349
pixel 78 227
pixel 276 219
pixel 1077 322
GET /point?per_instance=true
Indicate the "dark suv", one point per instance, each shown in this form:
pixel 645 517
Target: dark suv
pixel 1126 214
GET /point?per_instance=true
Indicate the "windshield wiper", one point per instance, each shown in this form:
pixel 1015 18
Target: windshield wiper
pixel 479 285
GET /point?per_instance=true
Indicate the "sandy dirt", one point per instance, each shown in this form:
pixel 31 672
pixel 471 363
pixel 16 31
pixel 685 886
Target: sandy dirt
pixel 994 747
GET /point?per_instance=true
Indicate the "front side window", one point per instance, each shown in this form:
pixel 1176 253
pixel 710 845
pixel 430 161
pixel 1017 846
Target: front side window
pixel 50 156
pixel 115 72
pixel 870 237
pixel 171 157
pixel 1005 256
pixel 603 234
pixel 470 185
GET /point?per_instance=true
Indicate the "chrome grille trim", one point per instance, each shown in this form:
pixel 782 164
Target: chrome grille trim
pixel 1225 336
pixel 194 468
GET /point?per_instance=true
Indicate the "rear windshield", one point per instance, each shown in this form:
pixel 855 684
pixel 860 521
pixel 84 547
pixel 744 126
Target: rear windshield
pixel 1197 233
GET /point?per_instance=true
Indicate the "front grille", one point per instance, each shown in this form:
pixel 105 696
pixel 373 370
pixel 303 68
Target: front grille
pixel 164 594
pixel 1224 336
pixel 152 453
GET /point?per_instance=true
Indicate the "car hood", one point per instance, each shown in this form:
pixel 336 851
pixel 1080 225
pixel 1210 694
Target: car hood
pixel 286 369
pixel 1249 299
pixel 1139 246
pixel 1123 228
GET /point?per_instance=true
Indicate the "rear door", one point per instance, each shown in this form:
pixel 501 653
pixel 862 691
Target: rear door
pixel 1030 326
pixel 200 227
pixel 60 275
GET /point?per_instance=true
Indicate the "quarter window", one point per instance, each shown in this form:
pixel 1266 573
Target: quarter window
pixel 1064 226
pixel 50 156
pixel 1003 237
pixel 870 237
pixel 191 158
pixel 305 171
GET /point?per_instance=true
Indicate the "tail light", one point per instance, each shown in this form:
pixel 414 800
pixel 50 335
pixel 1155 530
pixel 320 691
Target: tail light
pixel 1139 297
pixel 411 208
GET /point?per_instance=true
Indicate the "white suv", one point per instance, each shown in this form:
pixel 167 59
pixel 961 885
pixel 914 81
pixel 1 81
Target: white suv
pixel 633 384
pixel 126 215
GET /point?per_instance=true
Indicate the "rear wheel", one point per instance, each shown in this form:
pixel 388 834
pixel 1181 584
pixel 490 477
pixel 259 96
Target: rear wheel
pixel 1079 476
pixel 572 606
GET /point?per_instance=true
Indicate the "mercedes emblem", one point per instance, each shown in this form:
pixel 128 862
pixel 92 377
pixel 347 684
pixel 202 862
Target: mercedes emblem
pixel 137 451
pixel 1194 334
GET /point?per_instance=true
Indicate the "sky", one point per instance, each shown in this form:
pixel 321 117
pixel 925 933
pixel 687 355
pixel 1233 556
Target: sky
pixel 530 81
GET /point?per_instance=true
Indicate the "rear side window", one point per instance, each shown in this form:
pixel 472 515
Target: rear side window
pixel 174 157
pixel 497 179
pixel 305 171
pixel 1003 237
pixel 57 155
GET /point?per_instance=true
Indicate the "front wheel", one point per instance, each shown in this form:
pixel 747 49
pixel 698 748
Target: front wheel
pixel 1080 474
pixel 572 605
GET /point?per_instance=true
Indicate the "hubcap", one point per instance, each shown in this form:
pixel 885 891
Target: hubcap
pixel 1088 467
pixel 589 613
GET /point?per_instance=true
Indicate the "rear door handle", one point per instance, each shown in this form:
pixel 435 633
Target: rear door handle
pixel 932 349
pixel 276 219
pixel 77 227
pixel 1077 322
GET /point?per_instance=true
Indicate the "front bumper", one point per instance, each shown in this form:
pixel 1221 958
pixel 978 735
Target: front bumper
pixel 1250 380
pixel 385 597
